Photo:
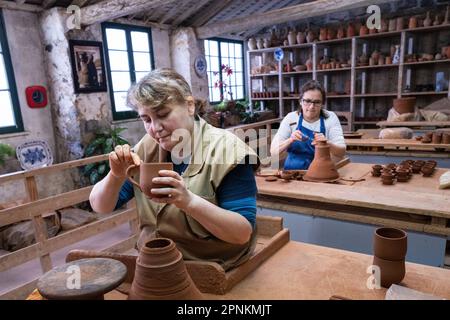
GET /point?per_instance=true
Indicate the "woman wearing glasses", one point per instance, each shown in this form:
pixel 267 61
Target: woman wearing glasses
pixel 300 130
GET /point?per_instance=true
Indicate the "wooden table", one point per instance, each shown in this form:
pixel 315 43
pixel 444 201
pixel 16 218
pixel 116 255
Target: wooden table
pixel 416 124
pixel 304 271
pixel 394 144
pixel 343 215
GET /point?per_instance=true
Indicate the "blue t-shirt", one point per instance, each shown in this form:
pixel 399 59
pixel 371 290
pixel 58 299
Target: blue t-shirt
pixel 237 191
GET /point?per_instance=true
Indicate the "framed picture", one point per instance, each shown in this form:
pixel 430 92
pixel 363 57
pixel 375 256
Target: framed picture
pixel 88 67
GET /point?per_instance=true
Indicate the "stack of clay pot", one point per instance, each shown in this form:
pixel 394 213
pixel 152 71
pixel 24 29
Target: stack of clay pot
pixel 428 168
pixel 390 246
pixel 161 274
pixel 376 170
pixel 435 137
pixel 388 174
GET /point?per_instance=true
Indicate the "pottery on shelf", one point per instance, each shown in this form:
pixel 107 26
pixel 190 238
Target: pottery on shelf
pixel 251 44
pixel 400 23
pixel 301 38
pixel 260 43
pixel 323 34
pixel 384 25
pixel 392 25
pixel 267 43
pixel 436 21
pixel 322 168
pixel 412 22
pixel 363 30
pixel 447 16
pixel 405 105
pixel 161 274
pixel 390 243
pixel 436 138
pixel 310 37
pixel 396 57
pixel 340 33
pixel 331 34
pixel 350 30
pixel 292 38
pixel 427 21
pixel 446 138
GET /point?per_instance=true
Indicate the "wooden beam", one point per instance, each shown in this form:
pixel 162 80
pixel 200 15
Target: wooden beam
pixel 48 4
pixel 187 13
pixel 292 13
pixel 23 7
pixel 79 3
pixel 143 23
pixel 112 9
pixel 210 12
pixel 169 14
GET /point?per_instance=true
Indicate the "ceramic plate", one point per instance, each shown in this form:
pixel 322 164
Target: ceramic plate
pixel 34 154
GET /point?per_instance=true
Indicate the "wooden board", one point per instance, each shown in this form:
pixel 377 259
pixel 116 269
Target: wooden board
pixel 440 124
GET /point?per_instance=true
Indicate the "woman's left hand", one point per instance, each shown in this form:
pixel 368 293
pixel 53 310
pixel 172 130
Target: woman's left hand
pixel 318 136
pixel 176 192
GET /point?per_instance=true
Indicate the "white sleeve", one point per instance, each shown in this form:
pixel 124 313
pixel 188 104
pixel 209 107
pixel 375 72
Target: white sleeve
pixel 283 132
pixel 335 133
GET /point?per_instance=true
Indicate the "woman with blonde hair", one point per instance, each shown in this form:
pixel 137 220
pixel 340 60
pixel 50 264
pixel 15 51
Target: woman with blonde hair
pixel 208 207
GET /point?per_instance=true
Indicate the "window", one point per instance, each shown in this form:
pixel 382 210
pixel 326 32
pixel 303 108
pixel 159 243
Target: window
pixel 129 57
pixel 10 117
pixel 230 53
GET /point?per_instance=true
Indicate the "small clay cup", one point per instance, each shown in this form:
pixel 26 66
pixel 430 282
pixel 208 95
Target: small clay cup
pixel 148 171
pixel 390 243
pixel 377 167
pixel 427 171
pixel 287 176
pixel 446 138
pixel 391 272
pixel 431 163
pixel 437 138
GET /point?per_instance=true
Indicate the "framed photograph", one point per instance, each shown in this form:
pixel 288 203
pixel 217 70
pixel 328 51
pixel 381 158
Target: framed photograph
pixel 88 67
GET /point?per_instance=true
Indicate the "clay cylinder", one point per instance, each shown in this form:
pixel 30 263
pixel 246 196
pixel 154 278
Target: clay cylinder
pixel 390 271
pixel 446 138
pixel 436 138
pixel 161 274
pixel 322 168
pixel 390 243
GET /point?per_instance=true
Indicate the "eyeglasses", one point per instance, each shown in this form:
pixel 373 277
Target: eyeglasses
pixel 308 102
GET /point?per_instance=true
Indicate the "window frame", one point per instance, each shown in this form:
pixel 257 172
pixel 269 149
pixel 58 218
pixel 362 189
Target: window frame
pixel 219 40
pixel 11 81
pixel 125 115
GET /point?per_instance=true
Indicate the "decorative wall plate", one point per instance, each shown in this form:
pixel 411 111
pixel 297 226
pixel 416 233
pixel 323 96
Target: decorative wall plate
pixel 34 154
pixel 200 65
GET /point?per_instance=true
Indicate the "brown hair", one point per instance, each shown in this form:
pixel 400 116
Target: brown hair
pixel 158 88
pixel 314 85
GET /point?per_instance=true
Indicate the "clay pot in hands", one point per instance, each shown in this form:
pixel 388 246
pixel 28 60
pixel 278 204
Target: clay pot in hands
pixel 391 272
pixel 322 168
pixel 390 243
pixel 147 171
pixel 161 274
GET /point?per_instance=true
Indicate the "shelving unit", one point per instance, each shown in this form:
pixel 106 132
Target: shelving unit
pixel 358 98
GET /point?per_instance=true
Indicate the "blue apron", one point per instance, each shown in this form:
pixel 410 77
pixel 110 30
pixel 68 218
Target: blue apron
pixel 301 153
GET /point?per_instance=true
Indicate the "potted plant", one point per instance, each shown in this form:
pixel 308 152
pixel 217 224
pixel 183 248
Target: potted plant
pixel 5 151
pixel 103 143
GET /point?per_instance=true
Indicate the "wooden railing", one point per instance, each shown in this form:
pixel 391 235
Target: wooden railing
pixel 34 210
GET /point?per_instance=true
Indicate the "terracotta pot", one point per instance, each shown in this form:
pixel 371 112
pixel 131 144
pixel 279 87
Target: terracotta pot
pixel 292 38
pixel 427 171
pixel 161 274
pixel 405 105
pixel 310 37
pixel 445 51
pixel 147 171
pixel 341 33
pixel 437 137
pixel 427 21
pixel 323 34
pixel 388 60
pixel 363 30
pixel 390 243
pixel 446 138
pixel 391 272
pixel 400 23
pixel 301 38
pixel 387 181
pixel 392 25
pixel 412 22
pixel 251 44
pixel 331 34
pixel 436 21
pixel 376 173
pixel 384 25
pixel 350 30
pixel 377 167
pixel 431 162
pixel 322 168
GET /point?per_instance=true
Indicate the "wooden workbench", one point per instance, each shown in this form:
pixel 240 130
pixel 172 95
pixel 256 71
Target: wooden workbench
pixel 417 205
pixel 304 271
pixel 394 144
pixel 414 124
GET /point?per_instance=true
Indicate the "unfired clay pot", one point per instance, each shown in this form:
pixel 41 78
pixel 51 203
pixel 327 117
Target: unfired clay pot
pixel 405 105
pixel 390 243
pixel 446 138
pixel 322 168
pixel 161 274
pixel 148 171
pixel 436 138
pixel 391 272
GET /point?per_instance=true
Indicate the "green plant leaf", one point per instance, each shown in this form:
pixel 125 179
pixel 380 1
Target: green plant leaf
pixel 109 146
pixel 88 168
pixel 101 169
pixel 94 145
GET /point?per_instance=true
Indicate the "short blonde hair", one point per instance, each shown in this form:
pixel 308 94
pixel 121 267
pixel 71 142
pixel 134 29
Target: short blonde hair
pixel 157 89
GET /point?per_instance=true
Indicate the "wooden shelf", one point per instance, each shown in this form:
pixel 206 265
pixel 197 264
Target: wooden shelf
pixel 334 70
pixel 343 40
pixel 429 93
pixel 377 66
pixel 336 96
pixel 431 28
pixel 379 35
pixel 426 62
pixel 264 75
pixel 365 122
pixel 295 73
pixel 264 99
pixel 291 98
pixel 369 95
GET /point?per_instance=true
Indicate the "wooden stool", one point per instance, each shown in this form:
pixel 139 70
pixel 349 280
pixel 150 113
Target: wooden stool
pixel 97 277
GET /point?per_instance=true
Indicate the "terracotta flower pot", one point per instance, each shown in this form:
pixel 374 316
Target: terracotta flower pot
pixel 446 138
pixel 390 243
pixel 405 105
pixel 391 272
pixel 436 138
pixel 161 274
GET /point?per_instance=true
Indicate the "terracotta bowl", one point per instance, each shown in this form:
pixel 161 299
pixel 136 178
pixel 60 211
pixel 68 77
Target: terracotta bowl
pixel 405 105
pixel 391 272
pixel 390 243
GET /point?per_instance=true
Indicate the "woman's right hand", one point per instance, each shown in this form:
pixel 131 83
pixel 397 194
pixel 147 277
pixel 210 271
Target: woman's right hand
pixel 297 136
pixel 120 159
